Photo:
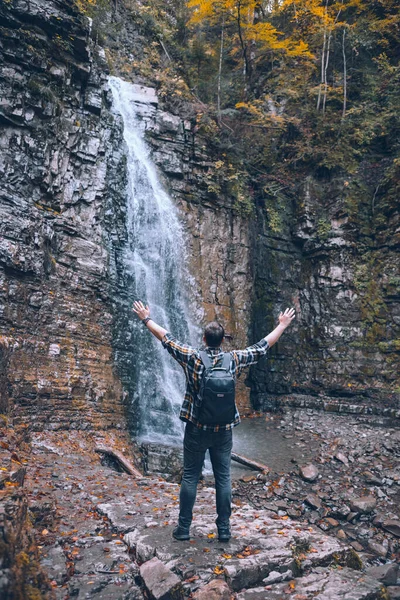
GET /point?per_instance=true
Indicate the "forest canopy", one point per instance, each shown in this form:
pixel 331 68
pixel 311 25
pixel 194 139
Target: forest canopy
pixel 281 87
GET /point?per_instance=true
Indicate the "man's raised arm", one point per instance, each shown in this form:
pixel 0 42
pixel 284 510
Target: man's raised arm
pixel 143 312
pixel 284 321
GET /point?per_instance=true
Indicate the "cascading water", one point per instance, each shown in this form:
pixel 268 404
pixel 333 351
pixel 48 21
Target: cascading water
pixel 155 259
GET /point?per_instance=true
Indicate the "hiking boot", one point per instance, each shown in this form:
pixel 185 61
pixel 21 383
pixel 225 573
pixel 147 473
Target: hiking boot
pixel 224 534
pixel 181 534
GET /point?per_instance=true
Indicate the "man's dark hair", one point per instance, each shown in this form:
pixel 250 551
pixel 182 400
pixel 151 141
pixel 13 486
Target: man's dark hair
pixel 214 334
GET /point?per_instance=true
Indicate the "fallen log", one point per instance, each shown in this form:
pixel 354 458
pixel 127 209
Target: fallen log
pixel 126 464
pixel 252 464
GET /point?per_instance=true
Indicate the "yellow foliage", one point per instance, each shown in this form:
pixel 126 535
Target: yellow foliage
pixel 85 5
pixel 243 14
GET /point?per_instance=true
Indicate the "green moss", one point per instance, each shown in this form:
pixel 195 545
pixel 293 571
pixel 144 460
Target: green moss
pixel 391 346
pixel 323 229
pixel 274 220
pixel 373 308
pixel 353 560
pixel 38 90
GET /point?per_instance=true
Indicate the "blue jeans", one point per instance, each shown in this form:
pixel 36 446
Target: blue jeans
pixel 195 445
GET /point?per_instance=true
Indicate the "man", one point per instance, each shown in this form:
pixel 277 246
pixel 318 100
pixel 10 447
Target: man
pixel 199 437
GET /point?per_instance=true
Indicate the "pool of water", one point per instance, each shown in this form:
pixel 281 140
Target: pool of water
pixel 261 440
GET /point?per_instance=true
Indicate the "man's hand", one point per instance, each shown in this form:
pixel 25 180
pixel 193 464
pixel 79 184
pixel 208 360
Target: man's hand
pixel 287 317
pixel 141 310
pixel 284 321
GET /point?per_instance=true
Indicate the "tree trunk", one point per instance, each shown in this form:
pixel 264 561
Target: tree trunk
pixel 221 50
pixel 252 464
pixel 322 59
pixel 344 74
pixel 126 464
pixel 246 66
pixel 326 70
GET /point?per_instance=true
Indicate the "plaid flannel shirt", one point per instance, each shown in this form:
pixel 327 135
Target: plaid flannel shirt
pixel 190 361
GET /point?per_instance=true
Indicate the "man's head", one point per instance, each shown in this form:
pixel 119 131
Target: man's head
pixel 213 334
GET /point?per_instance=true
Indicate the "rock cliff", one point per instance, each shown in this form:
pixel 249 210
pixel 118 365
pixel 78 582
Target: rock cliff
pixel 66 318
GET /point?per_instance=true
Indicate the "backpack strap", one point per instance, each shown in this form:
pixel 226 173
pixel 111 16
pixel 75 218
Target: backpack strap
pixel 226 362
pixel 205 359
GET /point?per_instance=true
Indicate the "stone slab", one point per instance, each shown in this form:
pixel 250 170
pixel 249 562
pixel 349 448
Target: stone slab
pixel 161 583
pixel 322 584
pixel 259 544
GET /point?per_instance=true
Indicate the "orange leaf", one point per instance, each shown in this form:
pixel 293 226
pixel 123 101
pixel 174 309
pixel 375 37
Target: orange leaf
pixel 218 570
pixel 211 535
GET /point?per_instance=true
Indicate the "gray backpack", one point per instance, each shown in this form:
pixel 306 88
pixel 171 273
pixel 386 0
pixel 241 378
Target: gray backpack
pixel 216 397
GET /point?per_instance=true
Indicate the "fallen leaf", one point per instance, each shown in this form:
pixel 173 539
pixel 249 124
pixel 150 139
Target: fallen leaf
pixel 211 535
pixel 45 532
pixel 219 570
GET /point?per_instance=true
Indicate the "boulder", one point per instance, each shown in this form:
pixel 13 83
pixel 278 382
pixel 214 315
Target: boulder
pixel 161 583
pixel 387 574
pixel 364 504
pixel 313 501
pixel 277 577
pixel 393 526
pixel 217 589
pixel 342 458
pixel 309 472
pixel 377 548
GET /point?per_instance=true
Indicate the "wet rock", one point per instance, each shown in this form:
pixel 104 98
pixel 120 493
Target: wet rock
pixel 163 459
pixel 364 504
pixel 277 577
pixel 248 478
pixel 322 583
pixel 161 583
pixel 393 526
pixel 377 548
pixel 309 472
pixel 314 501
pixel 342 458
pixel 332 522
pixel 342 511
pixel 54 562
pixel 102 588
pixel 372 479
pixel 357 546
pixel 379 520
pixel 387 574
pixel 215 590
pixel 394 592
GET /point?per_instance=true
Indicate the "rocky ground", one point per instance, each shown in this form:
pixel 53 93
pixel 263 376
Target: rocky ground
pixel 330 530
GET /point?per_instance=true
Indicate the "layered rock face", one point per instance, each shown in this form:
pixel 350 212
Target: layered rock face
pixel 339 267
pixel 59 169
pixel 66 320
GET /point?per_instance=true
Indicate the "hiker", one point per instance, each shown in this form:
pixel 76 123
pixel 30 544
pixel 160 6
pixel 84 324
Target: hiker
pixel 209 410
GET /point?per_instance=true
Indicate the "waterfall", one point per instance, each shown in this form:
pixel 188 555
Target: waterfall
pixel 155 260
